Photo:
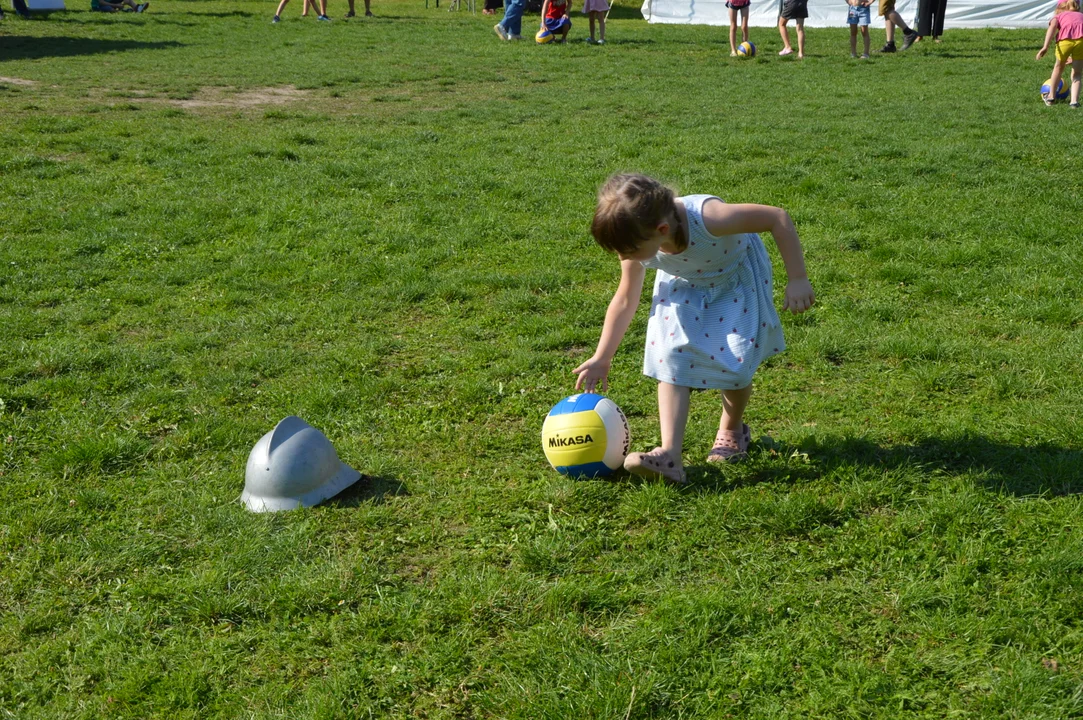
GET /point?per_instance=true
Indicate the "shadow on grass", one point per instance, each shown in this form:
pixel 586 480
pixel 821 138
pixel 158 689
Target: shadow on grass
pixel 1038 470
pixel 32 48
pixel 231 13
pixel 368 489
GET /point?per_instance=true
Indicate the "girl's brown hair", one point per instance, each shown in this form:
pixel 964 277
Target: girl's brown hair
pixel 630 208
pixel 1068 6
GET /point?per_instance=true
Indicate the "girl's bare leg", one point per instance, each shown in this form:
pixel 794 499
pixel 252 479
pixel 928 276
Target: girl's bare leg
pixel 785 34
pixel 1077 76
pixel 734 403
pixel 281 7
pixel 744 24
pixel 1054 80
pixel 601 26
pixel 673 402
pixel 853 41
pixel 800 38
pixel 865 34
pixel 592 15
pixel 733 32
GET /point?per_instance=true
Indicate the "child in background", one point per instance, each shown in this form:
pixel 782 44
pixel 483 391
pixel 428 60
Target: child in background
pixel 554 18
pixel 712 319
pixel 736 6
pixel 596 10
pixel 792 10
pixel 1067 26
pixel 858 15
pixel 322 17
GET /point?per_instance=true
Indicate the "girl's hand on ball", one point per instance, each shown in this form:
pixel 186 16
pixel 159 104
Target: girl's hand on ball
pixel 799 296
pixel 591 373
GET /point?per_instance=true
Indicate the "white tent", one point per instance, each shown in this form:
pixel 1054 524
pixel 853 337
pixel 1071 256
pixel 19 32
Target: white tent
pixel 832 13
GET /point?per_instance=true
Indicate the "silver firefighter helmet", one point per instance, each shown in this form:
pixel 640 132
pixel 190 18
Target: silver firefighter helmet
pixel 293 466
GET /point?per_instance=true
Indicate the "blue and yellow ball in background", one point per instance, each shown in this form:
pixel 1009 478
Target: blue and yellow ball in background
pixel 1062 90
pixel 746 50
pixel 585 435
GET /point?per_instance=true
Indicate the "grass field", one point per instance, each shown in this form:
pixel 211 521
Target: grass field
pixel 208 223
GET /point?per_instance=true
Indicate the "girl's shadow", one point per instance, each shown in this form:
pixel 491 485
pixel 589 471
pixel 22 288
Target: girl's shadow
pixel 1024 471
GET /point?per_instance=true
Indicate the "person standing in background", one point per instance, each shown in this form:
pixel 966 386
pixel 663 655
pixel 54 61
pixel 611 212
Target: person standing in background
pixel 931 18
pixel 893 20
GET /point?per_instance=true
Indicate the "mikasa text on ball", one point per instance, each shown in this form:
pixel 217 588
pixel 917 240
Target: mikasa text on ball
pixel 585 435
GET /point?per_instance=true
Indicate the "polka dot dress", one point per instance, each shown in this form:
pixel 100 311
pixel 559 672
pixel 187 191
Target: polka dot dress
pixel 713 319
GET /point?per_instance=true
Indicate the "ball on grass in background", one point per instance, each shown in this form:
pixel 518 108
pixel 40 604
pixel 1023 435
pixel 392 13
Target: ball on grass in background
pixel 746 50
pixel 585 435
pixel 543 36
pixel 1062 90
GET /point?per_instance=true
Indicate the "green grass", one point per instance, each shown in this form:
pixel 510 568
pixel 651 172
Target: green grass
pixel 393 245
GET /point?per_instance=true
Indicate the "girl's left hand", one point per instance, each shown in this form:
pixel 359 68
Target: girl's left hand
pixel 1041 54
pixel 799 296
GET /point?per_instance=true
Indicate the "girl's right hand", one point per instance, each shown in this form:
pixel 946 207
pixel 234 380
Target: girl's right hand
pixel 1041 54
pixel 591 373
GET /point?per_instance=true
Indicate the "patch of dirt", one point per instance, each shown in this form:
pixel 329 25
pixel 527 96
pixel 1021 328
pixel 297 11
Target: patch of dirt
pixel 16 81
pixel 219 97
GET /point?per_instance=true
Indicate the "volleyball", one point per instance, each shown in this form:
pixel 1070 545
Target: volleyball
pixel 543 37
pixel 746 50
pixel 585 435
pixel 1062 90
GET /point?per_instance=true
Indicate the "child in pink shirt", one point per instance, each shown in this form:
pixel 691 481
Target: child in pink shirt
pixel 1067 27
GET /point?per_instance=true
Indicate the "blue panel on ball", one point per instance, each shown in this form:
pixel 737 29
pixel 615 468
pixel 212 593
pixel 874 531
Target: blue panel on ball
pixel 589 470
pixel 576 403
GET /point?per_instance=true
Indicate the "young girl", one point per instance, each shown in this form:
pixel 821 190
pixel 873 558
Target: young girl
pixel 555 18
pixel 1067 25
pixel 858 16
pixel 596 10
pixel 321 16
pixel 712 317
pixel 738 6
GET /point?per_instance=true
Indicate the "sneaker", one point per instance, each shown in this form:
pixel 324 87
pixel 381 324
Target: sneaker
pixel 499 30
pixel 1073 105
pixel 515 37
pixel 349 15
pixel 864 56
pixel 888 47
pixel 909 39
pixel 141 7
pixel 275 20
pixel 591 41
pixel 368 13
pixel 601 42
pixel 322 18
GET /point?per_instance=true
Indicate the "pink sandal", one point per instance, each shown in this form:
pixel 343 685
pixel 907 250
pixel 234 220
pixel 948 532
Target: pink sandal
pixel 655 464
pixel 730 446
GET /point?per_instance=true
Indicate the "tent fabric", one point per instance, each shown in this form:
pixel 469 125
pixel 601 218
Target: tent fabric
pixel 832 13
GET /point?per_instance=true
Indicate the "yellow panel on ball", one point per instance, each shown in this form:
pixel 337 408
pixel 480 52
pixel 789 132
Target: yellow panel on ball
pixel 574 439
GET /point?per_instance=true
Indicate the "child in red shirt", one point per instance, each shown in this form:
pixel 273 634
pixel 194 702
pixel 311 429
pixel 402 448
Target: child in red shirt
pixel 555 18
